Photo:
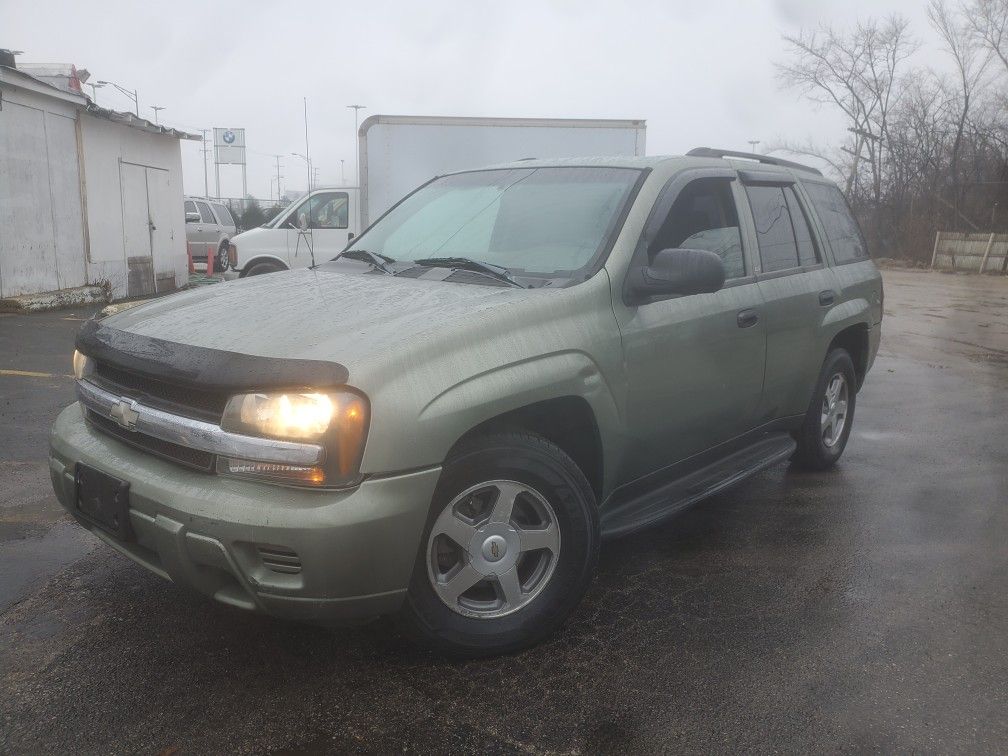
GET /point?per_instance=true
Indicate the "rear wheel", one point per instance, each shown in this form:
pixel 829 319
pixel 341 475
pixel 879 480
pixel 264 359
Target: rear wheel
pixel 221 263
pixel 827 426
pixel 509 550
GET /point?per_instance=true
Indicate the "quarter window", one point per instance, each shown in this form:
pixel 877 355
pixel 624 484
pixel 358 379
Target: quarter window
pixel 703 216
pixel 190 207
pixel 223 214
pixel 842 230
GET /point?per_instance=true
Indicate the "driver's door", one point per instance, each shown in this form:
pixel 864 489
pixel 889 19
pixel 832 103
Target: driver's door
pixel 694 364
pixel 325 215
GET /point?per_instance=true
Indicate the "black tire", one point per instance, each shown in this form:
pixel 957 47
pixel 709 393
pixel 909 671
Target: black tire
pixel 815 452
pixel 264 267
pixel 221 262
pixel 531 461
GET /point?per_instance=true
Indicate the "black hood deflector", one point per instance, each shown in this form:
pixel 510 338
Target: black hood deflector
pixel 203 368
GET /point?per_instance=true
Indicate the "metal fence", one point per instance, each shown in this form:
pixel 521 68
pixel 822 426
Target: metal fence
pixel 982 253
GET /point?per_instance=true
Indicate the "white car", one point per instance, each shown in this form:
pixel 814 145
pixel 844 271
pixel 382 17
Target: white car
pixel 320 223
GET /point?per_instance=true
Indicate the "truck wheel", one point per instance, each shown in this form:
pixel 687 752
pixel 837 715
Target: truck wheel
pixel 509 549
pixel 221 263
pixel 823 435
pixel 263 267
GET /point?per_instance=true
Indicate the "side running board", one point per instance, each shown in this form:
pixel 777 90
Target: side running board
pixel 663 502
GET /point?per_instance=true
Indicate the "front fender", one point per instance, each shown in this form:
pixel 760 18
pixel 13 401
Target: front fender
pixel 482 397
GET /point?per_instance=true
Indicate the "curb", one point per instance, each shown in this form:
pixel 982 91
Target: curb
pixel 54 300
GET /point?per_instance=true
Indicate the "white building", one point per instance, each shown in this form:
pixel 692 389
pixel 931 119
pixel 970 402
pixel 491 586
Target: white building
pixel 88 196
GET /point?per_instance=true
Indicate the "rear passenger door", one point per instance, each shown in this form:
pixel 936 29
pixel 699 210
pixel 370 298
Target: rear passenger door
pixel 206 231
pixel 797 291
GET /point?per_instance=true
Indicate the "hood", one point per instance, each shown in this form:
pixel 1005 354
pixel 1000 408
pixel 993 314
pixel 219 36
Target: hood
pixel 339 316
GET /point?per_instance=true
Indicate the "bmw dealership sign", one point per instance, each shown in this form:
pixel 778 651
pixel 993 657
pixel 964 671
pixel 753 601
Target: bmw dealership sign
pixel 229 146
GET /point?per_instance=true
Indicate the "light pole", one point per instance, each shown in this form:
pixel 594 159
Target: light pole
pixel 753 143
pixel 156 108
pixel 356 115
pixel 94 96
pixel 342 171
pixel 131 93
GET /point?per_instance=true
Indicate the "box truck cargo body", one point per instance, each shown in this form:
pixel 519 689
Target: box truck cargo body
pixel 397 154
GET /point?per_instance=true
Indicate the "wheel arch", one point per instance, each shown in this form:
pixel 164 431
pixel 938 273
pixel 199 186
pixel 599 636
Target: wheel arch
pixel 854 339
pixel 567 421
pixel 264 258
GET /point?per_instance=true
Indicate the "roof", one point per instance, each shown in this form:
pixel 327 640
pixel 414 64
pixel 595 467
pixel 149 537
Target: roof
pixel 18 78
pixel 134 121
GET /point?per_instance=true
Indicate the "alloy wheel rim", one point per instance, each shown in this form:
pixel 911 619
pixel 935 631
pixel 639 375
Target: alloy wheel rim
pixel 833 415
pixel 493 549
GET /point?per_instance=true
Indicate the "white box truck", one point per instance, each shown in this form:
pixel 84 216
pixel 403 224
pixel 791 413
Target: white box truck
pixel 400 153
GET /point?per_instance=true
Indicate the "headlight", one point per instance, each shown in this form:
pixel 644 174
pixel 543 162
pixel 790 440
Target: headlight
pixel 338 421
pixel 81 365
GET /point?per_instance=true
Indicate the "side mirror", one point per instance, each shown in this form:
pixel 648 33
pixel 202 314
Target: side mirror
pixel 678 271
pixel 303 222
pixel 350 236
pixel 191 217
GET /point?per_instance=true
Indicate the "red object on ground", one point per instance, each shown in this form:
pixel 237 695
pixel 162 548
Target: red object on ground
pixel 188 249
pixel 209 262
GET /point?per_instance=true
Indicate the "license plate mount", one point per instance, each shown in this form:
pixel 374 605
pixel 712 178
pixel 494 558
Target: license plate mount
pixel 103 500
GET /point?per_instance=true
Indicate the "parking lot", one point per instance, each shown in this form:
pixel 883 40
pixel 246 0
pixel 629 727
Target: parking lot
pixel 865 608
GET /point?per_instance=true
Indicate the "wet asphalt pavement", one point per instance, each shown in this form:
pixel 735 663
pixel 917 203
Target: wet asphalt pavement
pixel 865 608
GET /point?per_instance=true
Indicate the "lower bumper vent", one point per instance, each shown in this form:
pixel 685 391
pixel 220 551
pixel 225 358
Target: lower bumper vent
pixel 279 559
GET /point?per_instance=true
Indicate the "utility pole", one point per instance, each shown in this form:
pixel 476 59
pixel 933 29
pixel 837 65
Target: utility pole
pixel 205 151
pixel 342 172
pixel 753 144
pixel 315 176
pixel 356 115
pixel 156 108
pixel 277 158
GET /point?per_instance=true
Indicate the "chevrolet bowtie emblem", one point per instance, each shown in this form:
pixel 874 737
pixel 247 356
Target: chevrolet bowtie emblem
pixel 124 412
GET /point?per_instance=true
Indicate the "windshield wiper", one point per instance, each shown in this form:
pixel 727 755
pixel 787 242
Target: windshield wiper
pixel 376 259
pixel 475 266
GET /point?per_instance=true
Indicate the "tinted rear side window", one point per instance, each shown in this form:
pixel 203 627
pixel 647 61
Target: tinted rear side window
pixel 807 252
pixel 841 229
pixel 777 247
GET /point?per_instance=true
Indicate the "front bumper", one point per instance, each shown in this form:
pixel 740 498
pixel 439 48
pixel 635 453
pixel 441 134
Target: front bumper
pixel 318 556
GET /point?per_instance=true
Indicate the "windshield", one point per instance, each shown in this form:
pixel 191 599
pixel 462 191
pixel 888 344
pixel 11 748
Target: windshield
pixel 551 222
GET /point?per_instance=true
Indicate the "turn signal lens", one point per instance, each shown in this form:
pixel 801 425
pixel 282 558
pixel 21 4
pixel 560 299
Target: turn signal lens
pixel 81 365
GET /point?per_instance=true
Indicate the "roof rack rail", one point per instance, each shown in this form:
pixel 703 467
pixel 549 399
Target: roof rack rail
pixel 708 152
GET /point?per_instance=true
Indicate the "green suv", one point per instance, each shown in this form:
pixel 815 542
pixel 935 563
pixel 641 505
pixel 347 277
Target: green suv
pixel 445 421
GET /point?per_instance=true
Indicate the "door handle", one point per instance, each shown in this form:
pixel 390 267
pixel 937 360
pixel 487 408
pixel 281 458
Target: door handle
pixel 747 318
pixel 826 298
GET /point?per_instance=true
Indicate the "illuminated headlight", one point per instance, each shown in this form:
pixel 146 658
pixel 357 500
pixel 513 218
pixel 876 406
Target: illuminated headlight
pixel 81 365
pixel 338 421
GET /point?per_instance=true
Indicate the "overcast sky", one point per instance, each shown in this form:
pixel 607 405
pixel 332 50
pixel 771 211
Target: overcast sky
pixel 699 73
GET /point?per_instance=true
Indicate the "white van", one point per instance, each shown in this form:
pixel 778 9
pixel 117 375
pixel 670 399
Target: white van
pixel 321 222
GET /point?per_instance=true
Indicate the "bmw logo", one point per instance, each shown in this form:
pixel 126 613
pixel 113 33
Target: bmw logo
pixel 228 136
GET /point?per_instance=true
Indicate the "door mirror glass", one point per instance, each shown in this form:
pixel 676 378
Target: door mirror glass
pixel 191 217
pixel 678 271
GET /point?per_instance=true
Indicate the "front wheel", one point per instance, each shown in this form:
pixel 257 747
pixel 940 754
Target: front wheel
pixel 509 550
pixel 827 426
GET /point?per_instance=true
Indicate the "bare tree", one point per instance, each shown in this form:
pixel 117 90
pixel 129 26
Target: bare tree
pixel 971 62
pixel 855 71
pixel 988 21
